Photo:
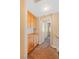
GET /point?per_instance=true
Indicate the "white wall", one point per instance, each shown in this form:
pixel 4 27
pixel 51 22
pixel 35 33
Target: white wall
pixel 55 31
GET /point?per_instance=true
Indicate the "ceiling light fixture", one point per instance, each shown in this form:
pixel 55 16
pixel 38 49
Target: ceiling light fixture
pixel 46 9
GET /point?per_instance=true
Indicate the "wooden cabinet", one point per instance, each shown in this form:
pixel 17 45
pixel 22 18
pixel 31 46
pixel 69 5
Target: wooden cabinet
pixel 32 41
pixel 32 31
pixel 31 20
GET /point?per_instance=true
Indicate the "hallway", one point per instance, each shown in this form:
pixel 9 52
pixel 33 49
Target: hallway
pixel 43 37
pixel 42 29
pixel 43 51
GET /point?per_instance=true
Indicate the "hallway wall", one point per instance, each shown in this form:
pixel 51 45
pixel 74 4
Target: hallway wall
pixel 22 29
pixel 55 30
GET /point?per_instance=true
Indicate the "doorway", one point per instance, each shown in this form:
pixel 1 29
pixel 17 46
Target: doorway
pixel 45 30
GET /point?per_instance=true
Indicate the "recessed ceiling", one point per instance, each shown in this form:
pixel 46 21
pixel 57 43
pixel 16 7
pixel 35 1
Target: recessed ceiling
pixel 42 7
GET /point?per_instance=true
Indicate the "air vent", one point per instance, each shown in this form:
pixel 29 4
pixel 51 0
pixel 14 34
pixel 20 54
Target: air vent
pixel 36 1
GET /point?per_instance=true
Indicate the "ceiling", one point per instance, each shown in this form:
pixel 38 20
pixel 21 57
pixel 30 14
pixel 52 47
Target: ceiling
pixel 42 7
